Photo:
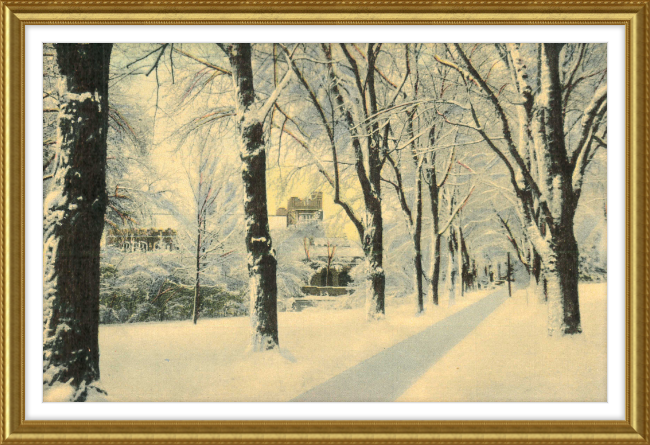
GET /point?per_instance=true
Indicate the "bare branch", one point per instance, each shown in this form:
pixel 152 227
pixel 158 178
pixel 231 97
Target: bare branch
pixel 155 65
pixel 264 109
pixel 203 62
pixel 588 121
pixel 456 210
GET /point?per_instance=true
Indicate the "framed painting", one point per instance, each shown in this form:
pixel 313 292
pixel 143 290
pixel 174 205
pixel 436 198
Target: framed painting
pixel 302 239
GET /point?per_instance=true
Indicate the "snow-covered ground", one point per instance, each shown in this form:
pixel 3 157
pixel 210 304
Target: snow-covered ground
pixel 508 358
pixel 178 361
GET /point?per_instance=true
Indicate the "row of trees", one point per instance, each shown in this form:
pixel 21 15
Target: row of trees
pixel 485 133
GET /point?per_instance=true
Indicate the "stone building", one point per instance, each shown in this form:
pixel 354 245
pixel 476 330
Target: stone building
pixel 299 210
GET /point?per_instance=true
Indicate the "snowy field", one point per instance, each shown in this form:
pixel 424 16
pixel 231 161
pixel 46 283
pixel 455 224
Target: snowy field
pixel 508 357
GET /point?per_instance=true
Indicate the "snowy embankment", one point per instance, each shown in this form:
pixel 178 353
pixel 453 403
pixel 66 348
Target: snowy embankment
pixel 178 361
pixel 509 358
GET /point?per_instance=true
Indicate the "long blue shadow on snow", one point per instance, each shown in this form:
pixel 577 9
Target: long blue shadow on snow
pixel 387 375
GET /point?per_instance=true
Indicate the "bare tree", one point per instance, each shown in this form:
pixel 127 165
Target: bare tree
pixel 548 163
pixel 354 101
pixel 412 215
pixel 213 196
pixel 251 138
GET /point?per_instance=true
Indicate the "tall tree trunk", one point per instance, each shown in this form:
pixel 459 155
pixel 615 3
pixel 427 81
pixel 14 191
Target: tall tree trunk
pixel 262 263
pixel 452 266
pixel 419 272
pixel 435 268
pixel 372 246
pixel 436 238
pixel 562 283
pixel 459 264
pixel 508 276
pixel 374 239
pixel 74 220
pixel 459 252
pixel 463 261
pixel 560 253
pixel 417 239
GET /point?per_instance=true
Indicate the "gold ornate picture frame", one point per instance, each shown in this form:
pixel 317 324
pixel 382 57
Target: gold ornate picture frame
pixel 17 14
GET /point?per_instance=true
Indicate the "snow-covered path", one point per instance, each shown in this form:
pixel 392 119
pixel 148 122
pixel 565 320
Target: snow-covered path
pixel 388 374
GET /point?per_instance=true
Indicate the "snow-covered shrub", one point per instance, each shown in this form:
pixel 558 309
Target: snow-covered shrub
pixel 358 297
pixel 107 315
pixel 217 301
pixel 294 265
pixel 123 315
pixel 158 286
pixel 592 267
pixel 593 256
pixel 144 312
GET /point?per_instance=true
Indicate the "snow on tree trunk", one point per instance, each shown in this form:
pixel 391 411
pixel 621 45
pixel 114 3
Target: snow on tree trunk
pixel 434 267
pixel 375 278
pixel 74 220
pixel 560 251
pixel 465 262
pixel 460 289
pixel 262 263
pixel 419 274
pixel 562 283
pixel 452 265
pixel 417 239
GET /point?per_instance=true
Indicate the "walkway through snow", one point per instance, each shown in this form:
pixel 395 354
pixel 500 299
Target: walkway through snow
pixel 385 376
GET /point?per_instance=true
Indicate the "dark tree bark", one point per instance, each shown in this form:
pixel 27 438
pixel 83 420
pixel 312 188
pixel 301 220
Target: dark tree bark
pixel 416 229
pixel 560 259
pixel 452 264
pixel 373 248
pixel 262 263
pixel 74 220
pixel 436 240
pixel 509 276
pixel 464 263
pixel 417 239
pixel 435 269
